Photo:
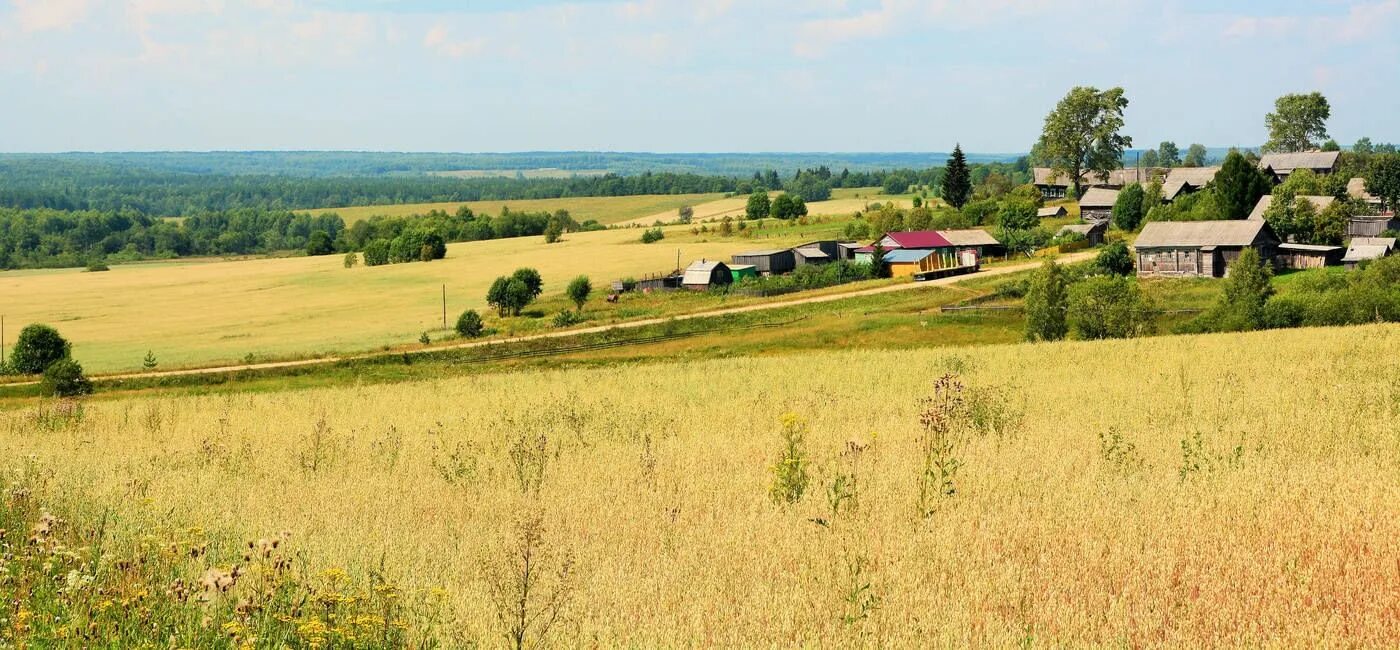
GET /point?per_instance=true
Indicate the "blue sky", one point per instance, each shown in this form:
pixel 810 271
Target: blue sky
pixel 657 75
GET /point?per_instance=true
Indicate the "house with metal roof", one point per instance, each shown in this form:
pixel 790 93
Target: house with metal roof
pixel 905 262
pixel 1281 165
pixel 704 274
pixel 1097 204
pixel 768 262
pixel 1200 248
pixel 1319 203
pixel 1365 249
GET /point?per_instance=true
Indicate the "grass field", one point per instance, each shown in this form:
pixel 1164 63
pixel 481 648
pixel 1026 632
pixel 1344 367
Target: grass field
pixel 1170 492
pixel 604 209
pixel 843 202
pixel 202 312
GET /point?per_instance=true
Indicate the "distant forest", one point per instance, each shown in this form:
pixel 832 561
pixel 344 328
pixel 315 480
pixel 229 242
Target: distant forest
pixel 84 209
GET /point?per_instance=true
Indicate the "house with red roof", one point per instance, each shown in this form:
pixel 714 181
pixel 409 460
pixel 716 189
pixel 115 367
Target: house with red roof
pixel 920 250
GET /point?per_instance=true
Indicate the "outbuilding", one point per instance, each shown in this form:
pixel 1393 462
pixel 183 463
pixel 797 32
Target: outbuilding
pixel 1356 189
pixel 740 272
pixel 1365 249
pixel 1371 225
pixel 1092 232
pixel 1097 204
pixel 1200 248
pixel 818 252
pixel 1282 165
pixel 974 239
pixel 1307 256
pixel 702 275
pixel 769 262
pixel 906 262
pixel 1052 212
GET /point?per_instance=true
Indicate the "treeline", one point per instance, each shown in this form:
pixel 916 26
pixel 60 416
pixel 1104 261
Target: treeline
pixel 816 184
pixel 46 238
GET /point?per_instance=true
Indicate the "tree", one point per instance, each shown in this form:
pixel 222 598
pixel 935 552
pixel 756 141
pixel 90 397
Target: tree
pixel 1363 147
pixel 1297 123
pixel 878 267
pixel 758 206
pixel 319 243
pixel 1195 156
pixel 553 232
pixel 957 182
pixel 1046 304
pixel 1127 210
pixel 784 207
pixel 1115 259
pixel 1383 178
pixel 685 214
pixel 509 295
pixel 469 324
pixel 1018 215
pixel 1246 291
pixel 896 183
pixel 38 346
pixel 1168 155
pixel 1331 145
pixel 377 253
pixel 1109 307
pixel 578 290
pixel 65 378
pixel 351 259
pixel 1150 159
pixel 149 363
pixel 1082 134
pixel 533 282
pixel 1238 186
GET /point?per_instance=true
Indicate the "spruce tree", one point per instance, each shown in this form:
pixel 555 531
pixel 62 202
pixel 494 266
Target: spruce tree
pixel 1239 184
pixel 957 182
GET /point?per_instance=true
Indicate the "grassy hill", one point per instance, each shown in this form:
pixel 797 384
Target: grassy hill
pixel 1175 491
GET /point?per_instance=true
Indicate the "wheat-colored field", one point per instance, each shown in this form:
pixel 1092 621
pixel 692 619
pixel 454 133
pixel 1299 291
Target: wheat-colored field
pixel 1166 492
pixel 843 202
pixel 201 311
pixel 604 209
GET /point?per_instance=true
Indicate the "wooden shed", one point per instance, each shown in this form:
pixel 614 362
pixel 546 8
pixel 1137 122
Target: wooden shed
pixel 1200 248
pixel 769 262
pixel 1052 212
pixel 1097 204
pixel 704 274
pixel 1365 249
pixel 1307 256
pixel 1092 232
pixel 1356 189
pixel 821 252
pixel 1371 225
pixel 906 262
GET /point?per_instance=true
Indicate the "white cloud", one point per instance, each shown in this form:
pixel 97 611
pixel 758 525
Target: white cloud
pixel 44 15
pixel 438 40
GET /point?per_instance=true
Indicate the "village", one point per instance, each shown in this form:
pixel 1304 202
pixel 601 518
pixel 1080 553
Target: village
pixel 1161 249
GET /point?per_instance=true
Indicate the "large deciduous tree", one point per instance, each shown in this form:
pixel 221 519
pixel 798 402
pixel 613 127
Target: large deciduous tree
pixel 1082 134
pixel 1238 186
pixel 1047 300
pixel 1298 122
pixel 1128 210
pixel 957 181
pixel 758 205
pixel 1383 179
pixel 1195 156
pixel 1168 155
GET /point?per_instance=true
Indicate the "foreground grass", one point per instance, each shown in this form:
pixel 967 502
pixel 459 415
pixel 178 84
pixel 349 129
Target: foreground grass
pixel 1175 491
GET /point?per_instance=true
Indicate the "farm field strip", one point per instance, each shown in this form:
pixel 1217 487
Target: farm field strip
pixel 605 209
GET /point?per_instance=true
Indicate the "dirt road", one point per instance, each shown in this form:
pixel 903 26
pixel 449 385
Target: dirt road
pixel 909 286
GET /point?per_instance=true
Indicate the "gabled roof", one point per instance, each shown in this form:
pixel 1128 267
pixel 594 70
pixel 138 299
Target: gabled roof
pixel 1055 211
pixel 1195 176
pixel 1098 197
pixel 1309 248
pixel 1285 163
pixel 1084 228
pixel 1388 242
pixel 918 239
pixel 1356 188
pixel 1362 253
pixel 1319 202
pixel 763 253
pixel 906 255
pixel 700 272
pixel 1194 234
pixel 969 237
pixel 811 253
pixel 1117 177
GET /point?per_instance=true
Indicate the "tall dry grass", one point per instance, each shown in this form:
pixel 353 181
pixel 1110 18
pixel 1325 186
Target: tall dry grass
pixel 1231 489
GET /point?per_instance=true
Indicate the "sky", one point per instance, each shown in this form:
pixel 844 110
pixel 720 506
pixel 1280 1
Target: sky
pixel 674 75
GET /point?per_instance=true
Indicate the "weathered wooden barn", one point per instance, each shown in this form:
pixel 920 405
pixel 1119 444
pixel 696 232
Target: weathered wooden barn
pixel 1092 232
pixel 768 262
pixel 704 274
pixel 1052 212
pixel 974 239
pixel 1365 249
pixel 1055 185
pixel 819 252
pixel 1371 225
pixel 1307 256
pixel 1281 165
pixel 1097 204
pixel 1200 248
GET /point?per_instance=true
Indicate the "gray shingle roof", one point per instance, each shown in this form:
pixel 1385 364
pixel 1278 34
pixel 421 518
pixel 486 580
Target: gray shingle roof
pixel 969 237
pixel 1098 197
pixel 1283 163
pixel 1054 211
pixel 1319 202
pixel 1197 176
pixel 1194 234
pixel 1084 228
pixel 1362 253
pixel 1388 242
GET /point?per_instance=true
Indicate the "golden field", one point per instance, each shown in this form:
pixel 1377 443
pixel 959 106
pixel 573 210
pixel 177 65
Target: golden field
pixel 198 312
pixel 1165 492
pixel 604 209
pixel 843 202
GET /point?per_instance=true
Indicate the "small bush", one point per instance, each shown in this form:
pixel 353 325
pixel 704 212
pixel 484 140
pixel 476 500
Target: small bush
pixel 652 235
pixel 65 378
pixel 97 266
pixel 469 324
pixel 377 253
pixel 351 259
pixel 790 476
pixel 37 348
pixel 567 318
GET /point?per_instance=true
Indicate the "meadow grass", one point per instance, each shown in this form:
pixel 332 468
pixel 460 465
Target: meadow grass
pixel 1175 491
pixel 604 209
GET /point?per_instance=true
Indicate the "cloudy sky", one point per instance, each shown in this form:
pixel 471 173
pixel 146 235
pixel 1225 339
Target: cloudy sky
pixel 673 75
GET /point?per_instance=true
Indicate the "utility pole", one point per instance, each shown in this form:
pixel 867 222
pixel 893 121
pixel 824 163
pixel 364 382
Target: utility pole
pixel 444 306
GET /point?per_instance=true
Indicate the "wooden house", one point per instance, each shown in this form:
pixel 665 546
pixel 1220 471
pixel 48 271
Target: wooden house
pixel 1356 189
pixel 1055 185
pixel 1200 248
pixel 1097 204
pixel 768 262
pixel 1052 212
pixel 974 239
pixel 1307 256
pixel 702 275
pixel 1281 165
pixel 1092 232
pixel 1181 181
pixel 929 240
pixel 1365 249
pixel 905 262
pixel 1319 203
